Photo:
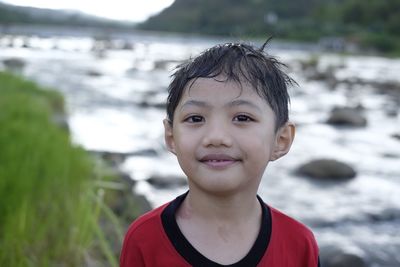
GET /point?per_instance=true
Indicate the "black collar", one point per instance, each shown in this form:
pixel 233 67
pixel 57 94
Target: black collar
pixel 195 258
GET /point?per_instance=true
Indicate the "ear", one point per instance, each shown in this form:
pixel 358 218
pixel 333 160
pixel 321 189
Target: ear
pixel 284 140
pixel 168 136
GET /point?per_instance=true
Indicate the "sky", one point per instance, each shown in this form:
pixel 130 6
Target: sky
pixel 131 10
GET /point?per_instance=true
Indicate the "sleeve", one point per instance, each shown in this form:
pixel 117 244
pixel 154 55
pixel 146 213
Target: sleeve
pixel 314 250
pixel 131 255
pixel 311 250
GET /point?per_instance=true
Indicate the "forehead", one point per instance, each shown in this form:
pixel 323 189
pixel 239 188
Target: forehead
pixel 220 87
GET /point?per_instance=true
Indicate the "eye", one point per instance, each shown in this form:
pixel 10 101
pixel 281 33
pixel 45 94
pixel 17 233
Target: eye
pixel 194 119
pixel 243 118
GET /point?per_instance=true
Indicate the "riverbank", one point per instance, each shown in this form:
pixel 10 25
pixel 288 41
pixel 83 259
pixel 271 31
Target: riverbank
pixel 60 206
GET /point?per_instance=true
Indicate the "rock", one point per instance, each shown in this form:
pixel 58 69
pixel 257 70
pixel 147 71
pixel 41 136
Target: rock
pixel 61 121
pixel 100 53
pixel 359 107
pixel 93 73
pixel 320 76
pixel 26 44
pixel 168 181
pixel 391 109
pixel 154 99
pixel 165 64
pixel 390 155
pixel 127 46
pixel 128 205
pixel 387 214
pixel 328 169
pixel 338 257
pixel 142 203
pixel 125 206
pixel 114 158
pixel 147 104
pixel 11 42
pixel 386 87
pixel 117 158
pixel 14 63
pixel 345 260
pixel 147 152
pixel 310 63
pixel 346 116
pixel 396 136
pixel 122 199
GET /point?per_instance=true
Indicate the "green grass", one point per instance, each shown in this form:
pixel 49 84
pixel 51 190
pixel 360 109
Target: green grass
pixel 50 206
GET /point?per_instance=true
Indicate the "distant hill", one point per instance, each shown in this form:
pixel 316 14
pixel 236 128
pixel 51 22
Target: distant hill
pixel 239 17
pixel 371 24
pixel 10 14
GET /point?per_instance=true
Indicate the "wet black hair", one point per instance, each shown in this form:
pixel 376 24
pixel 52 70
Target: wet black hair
pixel 239 62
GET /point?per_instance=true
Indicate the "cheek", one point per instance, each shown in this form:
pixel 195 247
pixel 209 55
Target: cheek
pixel 185 146
pixel 261 141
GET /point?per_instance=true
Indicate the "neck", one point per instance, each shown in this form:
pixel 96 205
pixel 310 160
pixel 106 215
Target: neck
pixel 222 208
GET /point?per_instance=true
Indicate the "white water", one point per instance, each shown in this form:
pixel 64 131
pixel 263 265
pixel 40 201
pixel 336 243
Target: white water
pixel 361 215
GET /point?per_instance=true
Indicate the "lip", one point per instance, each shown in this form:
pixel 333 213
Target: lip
pixel 218 161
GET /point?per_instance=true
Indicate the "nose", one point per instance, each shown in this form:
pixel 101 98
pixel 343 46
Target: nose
pixel 217 134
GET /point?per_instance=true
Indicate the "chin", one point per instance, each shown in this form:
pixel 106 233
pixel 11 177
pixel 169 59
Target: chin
pixel 218 188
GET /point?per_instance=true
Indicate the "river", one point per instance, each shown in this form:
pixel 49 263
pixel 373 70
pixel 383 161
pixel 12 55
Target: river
pixel 115 90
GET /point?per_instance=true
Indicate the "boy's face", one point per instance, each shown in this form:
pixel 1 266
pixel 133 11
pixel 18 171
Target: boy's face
pixel 223 135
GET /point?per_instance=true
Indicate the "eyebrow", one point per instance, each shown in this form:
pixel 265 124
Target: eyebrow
pixel 196 103
pixel 241 102
pixel 234 103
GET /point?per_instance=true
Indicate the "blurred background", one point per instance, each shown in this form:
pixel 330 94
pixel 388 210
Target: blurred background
pixel 82 98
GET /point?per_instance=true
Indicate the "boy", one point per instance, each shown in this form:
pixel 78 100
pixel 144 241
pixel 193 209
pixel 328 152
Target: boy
pixel 227 118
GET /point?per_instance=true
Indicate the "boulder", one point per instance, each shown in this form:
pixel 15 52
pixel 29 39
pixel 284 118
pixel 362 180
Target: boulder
pixel 346 116
pixel 396 136
pixel 167 181
pixel 154 104
pixel 328 169
pixel 332 256
pixel 165 64
pixel 61 121
pixel 14 63
pixel 387 86
pixel 94 73
pixel 154 99
pixel 387 214
pixel 390 155
pixel 117 158
pixel 127 46
pixel 345 260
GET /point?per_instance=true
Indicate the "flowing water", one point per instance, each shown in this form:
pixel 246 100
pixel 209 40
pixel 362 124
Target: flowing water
pixel 115 100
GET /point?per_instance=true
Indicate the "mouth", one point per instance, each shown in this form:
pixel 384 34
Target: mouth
pixel 218 161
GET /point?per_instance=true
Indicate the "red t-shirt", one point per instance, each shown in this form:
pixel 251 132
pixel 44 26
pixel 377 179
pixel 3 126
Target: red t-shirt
pixel 154 240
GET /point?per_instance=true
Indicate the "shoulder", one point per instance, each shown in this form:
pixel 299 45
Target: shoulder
pixel 289 229
pixel 140 237
pixel 148 221
pixel 291 238
pixel 283 220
